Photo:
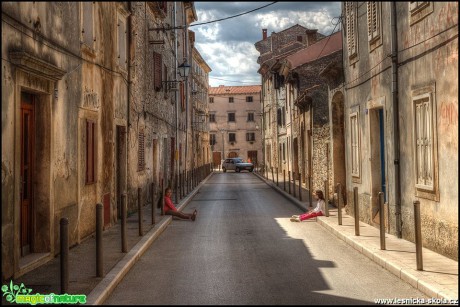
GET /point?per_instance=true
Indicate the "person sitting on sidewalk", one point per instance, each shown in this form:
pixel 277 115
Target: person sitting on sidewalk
pixel 170 209
pixel 318 211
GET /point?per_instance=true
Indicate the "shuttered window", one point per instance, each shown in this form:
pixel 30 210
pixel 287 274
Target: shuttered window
pixel 212 139
pixel 157 70
pixel 373 20
pixel 351 21
pixel 250 117
pixel 354 136
pixel 140 152
pixel 423 130
pixel 90 151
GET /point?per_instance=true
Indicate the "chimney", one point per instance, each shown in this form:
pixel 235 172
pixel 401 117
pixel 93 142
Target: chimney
pixel 264 33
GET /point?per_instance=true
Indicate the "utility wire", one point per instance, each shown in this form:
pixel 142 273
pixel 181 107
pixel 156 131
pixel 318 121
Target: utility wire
pixel 212 21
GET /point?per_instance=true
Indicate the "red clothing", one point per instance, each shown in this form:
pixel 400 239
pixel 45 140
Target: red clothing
pixel 168 205
pixel 310 215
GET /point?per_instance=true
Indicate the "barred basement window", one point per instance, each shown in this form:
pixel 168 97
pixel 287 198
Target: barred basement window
pixel 140 152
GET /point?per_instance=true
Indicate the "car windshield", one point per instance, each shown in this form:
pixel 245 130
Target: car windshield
pixel 238 160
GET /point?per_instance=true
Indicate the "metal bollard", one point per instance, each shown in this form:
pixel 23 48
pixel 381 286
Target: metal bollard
pixel 99 247
pixel 162 208
pixel 382 222
pixel 339 205
pixel 124 248
pixel 418 236
pixel 153 202
pixel 284 180
pixel 293 184
pixel 356 210
pixel 326 197
pixel 276 176
pixel 64 236
pixel 300 186
pixel 309 191
pixel 289 182
pixel 139 210
pixel 273 176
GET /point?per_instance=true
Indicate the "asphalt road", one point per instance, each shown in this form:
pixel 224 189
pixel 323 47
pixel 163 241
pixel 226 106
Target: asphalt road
pixel 242 249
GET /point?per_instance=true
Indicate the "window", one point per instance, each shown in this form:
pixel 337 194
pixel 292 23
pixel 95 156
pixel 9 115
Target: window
pixel 232 137
pixel 157 70
pixel 211 99
pixel 212 117
pixel 140 152
pixel 90 151
pixel 231 117
pixel 299 38
pixel 424 149
pixel 354 135
pixel 212 139
pixel 250 136
pixel 230 99
pixel 248 98
pixel 122 59
pixel 373 21
pixel 250 117
pixel 87 29
pixel 351 22
pixel 281 117
pixel 419 10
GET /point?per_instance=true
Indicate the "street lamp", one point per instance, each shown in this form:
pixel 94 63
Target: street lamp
pixel 184 69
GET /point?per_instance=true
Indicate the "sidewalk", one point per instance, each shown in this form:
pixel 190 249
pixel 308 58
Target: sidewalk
pixel 439 278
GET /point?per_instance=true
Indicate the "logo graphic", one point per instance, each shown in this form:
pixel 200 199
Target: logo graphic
pixel 22 295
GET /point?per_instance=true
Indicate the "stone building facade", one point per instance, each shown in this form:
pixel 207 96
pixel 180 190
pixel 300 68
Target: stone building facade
pixel 401 116
pixel 296 111
pixel 199 96
pixel 89 111
pixel 234 123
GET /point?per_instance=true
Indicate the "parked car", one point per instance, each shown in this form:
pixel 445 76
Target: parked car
pixel 237 165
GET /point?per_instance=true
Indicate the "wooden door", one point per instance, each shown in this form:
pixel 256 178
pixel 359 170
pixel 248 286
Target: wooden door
pixel 26 178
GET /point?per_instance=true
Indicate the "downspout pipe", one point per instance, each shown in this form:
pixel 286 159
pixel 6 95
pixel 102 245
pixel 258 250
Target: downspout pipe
pixel 394 92
pixel 176 146
pixel 128 103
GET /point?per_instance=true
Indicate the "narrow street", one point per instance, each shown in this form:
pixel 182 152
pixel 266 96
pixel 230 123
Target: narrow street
pixel 242 249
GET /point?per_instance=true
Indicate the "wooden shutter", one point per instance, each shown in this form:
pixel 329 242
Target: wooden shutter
pixel 372 20
pixel 157 70
pixel 351 39
pixel 140 152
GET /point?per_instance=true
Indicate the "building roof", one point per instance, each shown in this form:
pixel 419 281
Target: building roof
pixel 235 90
pixel 322 48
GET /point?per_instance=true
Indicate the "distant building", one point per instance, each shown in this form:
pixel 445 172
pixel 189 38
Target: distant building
pixel 235 123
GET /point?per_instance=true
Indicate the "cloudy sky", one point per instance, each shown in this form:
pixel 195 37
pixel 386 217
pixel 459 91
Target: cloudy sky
pixel 228 46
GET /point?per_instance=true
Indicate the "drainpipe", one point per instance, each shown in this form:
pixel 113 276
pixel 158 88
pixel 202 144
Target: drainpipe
pixel 189 62
pixel 177 93
pixel 128 104
pixel 394 91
